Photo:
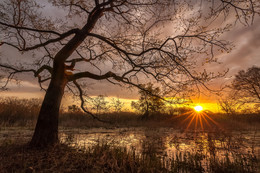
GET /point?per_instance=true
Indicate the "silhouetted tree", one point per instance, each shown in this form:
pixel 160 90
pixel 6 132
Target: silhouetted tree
pixel 230 105
pixel 98 103
pixel 126 41
pixel 149 102
pixel 243 92
pixel 247 84
pixel 116 104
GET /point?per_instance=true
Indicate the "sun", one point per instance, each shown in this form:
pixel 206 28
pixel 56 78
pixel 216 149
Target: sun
pixel 198 108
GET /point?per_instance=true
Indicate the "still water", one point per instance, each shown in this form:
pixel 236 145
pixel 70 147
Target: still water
pixel 167 141
pixel 161 141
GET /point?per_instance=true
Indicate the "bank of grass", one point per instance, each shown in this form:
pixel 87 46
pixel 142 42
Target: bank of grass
pixel 24 112
pixel 107 158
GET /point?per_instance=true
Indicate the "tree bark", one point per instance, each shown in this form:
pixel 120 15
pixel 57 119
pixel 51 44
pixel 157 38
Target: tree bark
pixel 46 130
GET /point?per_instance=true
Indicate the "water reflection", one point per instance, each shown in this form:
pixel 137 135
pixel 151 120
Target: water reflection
pixel 167 142
pixel 175 148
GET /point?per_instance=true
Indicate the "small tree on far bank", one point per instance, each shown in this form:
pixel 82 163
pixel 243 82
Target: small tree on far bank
pixel 98 104
pixel 149 102
pixel 116 104
pixel 229 105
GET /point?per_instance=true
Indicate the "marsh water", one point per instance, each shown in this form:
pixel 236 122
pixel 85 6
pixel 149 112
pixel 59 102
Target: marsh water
pixel 165 142
pixel 168 142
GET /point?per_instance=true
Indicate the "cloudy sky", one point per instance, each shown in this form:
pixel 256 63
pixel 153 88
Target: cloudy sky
pixel 245 54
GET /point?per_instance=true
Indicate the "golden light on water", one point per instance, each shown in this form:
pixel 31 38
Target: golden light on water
pixel 198 108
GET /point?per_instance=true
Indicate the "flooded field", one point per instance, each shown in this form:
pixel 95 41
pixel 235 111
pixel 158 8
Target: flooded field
pixel 168 142
pixel 164 142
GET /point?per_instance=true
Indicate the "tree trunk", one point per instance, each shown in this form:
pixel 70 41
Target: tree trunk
pixel 46 130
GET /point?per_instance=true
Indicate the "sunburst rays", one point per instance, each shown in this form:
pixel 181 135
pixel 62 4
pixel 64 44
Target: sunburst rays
pixel 197 119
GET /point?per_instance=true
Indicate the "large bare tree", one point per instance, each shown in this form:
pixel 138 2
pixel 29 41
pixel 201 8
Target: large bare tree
pixel 125 42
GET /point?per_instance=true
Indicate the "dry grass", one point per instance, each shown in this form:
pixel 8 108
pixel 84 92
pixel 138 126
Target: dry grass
pixel 61 158
pixel 18 112
pixel 106 158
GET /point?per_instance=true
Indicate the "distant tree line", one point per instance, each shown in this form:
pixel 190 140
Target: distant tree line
pixel 100 104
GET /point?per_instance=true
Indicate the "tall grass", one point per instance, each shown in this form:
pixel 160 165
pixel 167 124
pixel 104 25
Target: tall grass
pixel 18 112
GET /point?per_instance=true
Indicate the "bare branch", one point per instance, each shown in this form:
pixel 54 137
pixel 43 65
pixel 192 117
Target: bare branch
pixel 83 102
pixel 30 29
pixel 62 36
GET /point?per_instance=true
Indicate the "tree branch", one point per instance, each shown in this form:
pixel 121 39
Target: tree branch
pixel 62 36
pixel 30 29
pixel 83 102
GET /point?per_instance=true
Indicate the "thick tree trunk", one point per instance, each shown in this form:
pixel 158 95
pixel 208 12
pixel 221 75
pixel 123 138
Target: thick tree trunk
pixel 46 130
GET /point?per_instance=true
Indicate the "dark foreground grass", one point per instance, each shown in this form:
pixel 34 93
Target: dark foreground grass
pixel 107 158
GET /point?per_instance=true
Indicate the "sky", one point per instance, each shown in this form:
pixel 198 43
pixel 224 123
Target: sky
pixel 245 54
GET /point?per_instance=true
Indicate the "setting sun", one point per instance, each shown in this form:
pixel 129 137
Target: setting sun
pixel 198 108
